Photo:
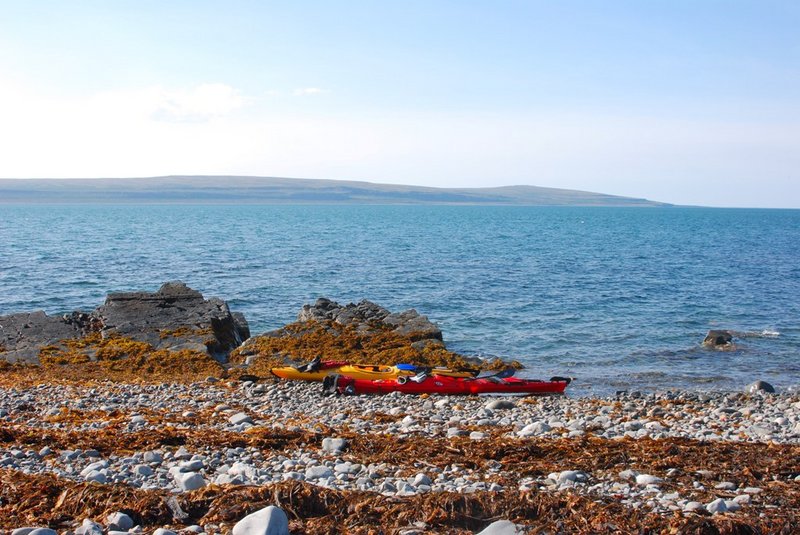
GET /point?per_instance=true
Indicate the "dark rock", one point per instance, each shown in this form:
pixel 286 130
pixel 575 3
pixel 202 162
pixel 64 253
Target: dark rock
pixel 351 314
pixel 719 340
pixel 22 335
pixel 412 324
pixel 175 317
pixel 760 386
pixel 366 315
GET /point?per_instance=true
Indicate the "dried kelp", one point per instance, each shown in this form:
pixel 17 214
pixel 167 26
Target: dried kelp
pixel 303 341
pixel 42 499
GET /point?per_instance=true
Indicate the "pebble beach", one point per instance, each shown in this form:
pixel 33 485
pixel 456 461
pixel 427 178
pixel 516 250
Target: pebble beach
pixel 689 459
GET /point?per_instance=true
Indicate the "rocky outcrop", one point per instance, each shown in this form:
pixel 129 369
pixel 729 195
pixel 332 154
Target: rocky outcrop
pixel 720 340
pixel 175 317
pixel 366 315
pixel 22 335
pixel 361 332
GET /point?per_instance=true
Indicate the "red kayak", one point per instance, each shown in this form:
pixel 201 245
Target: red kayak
pixel 437 384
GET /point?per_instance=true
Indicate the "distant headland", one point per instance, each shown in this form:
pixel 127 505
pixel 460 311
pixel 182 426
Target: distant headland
pixel 269 190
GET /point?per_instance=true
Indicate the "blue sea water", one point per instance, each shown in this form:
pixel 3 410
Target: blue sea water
pixel 620 298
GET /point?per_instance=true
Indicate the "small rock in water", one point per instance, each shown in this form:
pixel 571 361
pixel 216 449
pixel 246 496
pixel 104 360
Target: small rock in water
pixel 268 521
pixel 501 527
pixel 760 386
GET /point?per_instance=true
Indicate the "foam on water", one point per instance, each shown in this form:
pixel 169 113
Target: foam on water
pixel 618 297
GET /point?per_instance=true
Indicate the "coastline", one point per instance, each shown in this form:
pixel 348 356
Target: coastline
pixel 582 465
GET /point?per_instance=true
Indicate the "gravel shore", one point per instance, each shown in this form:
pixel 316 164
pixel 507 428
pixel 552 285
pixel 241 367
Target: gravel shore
pixel 666 459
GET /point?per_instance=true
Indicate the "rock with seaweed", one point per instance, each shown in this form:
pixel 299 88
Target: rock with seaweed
pixel 175 317
pixel 175 329
pixel 362 333
pixel 22 335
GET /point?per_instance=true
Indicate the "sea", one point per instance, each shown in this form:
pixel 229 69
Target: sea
pixel 618 298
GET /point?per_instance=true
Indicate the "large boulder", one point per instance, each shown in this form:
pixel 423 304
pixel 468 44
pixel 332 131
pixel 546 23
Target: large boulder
pixel 268 521
pixel 175 317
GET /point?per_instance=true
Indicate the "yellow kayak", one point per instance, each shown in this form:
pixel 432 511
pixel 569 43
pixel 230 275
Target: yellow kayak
pixel 317 371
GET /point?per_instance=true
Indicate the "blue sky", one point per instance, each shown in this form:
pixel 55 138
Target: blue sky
pixel 686 102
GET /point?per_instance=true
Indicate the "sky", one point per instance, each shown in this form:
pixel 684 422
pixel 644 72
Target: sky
pixel 688 102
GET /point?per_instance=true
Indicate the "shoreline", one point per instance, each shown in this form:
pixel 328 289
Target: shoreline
pixel 656 459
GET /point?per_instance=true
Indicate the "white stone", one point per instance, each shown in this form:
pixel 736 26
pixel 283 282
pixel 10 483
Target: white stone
pixel 268 521
pixel 500 404
pixel 89 527
pixel 189 481
pixel 693 506
pixel 120 520
pixel 97 477
pixel 152 457
pixel 240 418
pixel 191 466
pixel 143 470
pixel 725 485
pixel 501 527
pixel 333 445
pixel 647 479
pixel 422 479
pixel 536 428
pixel 94 467
pixel 163 531
pixel 732 505
pixel 318 472
pixel 571 475
pixel 717 506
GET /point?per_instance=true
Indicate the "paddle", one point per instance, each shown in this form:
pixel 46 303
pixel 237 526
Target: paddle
pixel 312 366
pixel 502 374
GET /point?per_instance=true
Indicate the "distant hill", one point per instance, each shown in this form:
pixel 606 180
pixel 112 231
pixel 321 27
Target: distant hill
pixel 253 190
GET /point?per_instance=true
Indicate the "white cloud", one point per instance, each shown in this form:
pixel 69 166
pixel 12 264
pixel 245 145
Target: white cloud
pixel 308 91
pixel 200 103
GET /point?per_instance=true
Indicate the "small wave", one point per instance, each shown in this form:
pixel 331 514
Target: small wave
pixel 766 333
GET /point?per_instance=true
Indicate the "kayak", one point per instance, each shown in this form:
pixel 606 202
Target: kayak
pixel 445 385
pixel 321 370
